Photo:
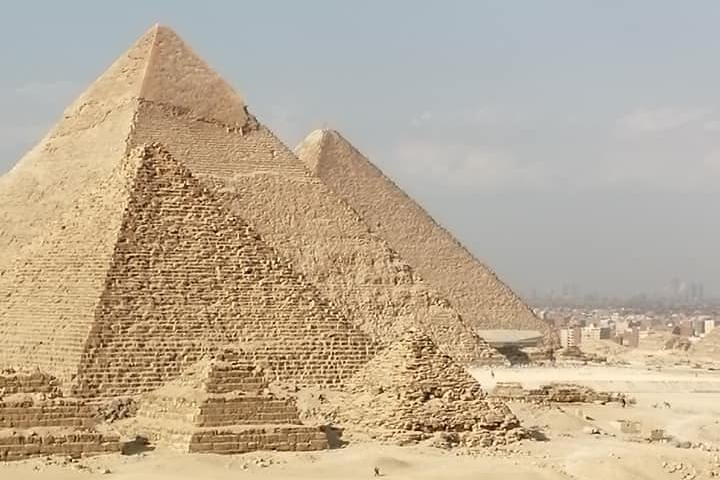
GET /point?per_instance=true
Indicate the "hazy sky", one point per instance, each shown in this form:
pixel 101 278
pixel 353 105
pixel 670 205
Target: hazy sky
pixel 563 141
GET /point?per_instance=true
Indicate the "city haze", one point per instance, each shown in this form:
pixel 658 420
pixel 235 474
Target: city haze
pixel 568 142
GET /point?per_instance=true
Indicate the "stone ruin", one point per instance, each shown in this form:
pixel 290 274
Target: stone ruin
pixel 554 393
pixel 411 392
pixel 35 419
pixel 158 222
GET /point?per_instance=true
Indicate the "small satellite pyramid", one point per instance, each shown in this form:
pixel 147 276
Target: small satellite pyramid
pixel 412 390
pixel 221 405
pixel 478 294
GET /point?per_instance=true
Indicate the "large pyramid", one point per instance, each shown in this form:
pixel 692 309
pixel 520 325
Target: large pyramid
pixel 159 218
pixel 473 288
pixel 161 92
pixel 172 275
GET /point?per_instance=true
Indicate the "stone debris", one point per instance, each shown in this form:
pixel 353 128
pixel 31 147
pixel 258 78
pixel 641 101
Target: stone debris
pixel 410 392
pixel 556 393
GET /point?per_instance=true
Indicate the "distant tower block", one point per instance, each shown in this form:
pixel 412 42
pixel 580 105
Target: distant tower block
pixel 473 288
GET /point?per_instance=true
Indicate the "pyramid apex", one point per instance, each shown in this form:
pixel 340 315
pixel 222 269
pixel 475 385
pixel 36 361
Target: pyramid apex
pixel 315 149
pixel 176 77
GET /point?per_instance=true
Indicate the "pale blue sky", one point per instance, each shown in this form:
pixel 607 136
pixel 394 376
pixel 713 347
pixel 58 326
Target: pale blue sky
pixel 562 140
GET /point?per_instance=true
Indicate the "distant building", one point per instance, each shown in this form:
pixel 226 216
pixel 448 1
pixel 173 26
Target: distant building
pixel 686 328
pixel 709 326
pixel 570 337
pixel 593 332
pixel 631 338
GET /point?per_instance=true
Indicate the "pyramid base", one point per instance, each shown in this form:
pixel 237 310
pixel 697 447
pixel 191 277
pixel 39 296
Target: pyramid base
pixel 283 438
pixel 227 440
pixel 23 444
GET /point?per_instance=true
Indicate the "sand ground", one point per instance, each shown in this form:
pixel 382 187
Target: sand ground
pixel 691 416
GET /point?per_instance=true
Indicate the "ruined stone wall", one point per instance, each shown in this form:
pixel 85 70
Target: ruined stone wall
pixel 12 382
pixel 472 287
pixel 187 276
pixel 554 393
pixel 263 182
pixel 23 445
pixel 246 410
pixel 28 412
pixel 36 420
pixel 280 438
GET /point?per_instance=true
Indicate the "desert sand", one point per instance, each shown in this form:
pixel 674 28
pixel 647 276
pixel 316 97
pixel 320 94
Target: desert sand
pixel 684 402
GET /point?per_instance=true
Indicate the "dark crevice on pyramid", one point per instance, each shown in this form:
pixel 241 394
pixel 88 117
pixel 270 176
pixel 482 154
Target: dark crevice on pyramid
pixel 222 405
pixel 472 287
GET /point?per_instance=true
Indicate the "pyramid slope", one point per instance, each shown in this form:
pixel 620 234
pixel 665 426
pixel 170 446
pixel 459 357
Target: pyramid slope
pixel 50 295
pixel 187 276
pixel 412 387
pixel 261 180
pixel 84 148
pixel 90 139
pixel 474 289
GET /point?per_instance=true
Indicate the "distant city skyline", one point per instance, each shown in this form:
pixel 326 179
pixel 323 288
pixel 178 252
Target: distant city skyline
pixel 675 289
pixel 565 141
